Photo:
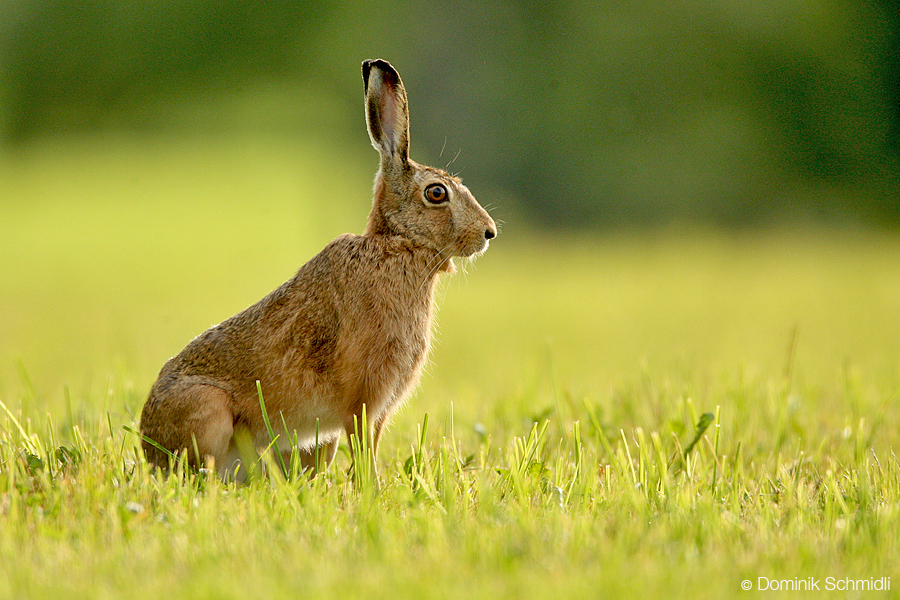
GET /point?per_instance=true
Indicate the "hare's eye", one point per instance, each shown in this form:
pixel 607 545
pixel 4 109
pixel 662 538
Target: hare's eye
pixel 436 193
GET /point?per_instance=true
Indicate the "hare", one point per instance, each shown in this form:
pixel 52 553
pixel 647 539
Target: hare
pixel 349 332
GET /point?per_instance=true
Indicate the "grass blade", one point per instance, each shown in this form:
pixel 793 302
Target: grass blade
pixel 271 432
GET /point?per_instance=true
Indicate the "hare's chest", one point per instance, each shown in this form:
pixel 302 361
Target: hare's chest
pixel 385 350
pixel 401 342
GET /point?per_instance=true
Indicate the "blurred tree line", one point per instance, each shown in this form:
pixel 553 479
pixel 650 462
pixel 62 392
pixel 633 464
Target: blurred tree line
pixel 735 112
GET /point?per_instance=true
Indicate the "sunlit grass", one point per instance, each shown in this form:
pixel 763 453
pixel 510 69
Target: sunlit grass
pixel 560 454
pixel 594 510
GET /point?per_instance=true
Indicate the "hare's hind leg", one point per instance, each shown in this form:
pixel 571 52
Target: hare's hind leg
pixel 193 417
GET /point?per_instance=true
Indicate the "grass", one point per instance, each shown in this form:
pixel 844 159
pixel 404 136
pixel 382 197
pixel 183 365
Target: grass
pixel 664 414
pixel 594 511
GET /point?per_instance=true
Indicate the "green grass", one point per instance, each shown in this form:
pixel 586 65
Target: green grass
pixel 552 449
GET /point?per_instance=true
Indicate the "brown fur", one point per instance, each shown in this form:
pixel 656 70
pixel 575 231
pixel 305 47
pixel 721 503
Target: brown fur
pixel 352 328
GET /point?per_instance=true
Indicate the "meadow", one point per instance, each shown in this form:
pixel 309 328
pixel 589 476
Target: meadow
pixel 610 414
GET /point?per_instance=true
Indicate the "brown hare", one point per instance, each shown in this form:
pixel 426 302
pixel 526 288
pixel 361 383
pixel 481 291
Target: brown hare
pixel 351 329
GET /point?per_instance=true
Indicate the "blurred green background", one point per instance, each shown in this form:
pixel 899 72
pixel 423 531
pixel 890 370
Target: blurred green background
pixel 574 113
pixel 680 184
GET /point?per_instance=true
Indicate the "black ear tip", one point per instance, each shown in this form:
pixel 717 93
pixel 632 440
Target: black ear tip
pixel 389 73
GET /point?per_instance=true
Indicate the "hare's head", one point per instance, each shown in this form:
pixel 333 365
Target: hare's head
pixel 423 204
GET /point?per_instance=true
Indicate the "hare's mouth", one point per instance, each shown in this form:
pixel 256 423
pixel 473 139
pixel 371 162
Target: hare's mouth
pixel 467 248
pixel 477 249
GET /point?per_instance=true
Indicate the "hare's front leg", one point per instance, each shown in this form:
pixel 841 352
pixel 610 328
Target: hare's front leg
pixel 354 438
pixel 326 454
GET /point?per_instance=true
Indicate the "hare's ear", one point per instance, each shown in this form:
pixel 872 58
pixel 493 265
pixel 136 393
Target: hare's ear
pixel 387 114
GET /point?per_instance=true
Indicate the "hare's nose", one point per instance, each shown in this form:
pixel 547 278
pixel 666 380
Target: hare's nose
pixel 490 233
